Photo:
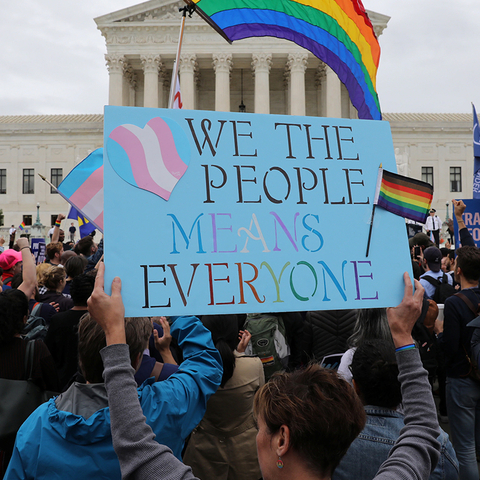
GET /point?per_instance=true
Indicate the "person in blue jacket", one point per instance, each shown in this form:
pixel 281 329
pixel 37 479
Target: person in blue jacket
pixel 69 436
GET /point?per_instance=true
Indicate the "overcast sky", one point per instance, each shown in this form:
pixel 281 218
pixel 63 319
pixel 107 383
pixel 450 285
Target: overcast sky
pixel 52 56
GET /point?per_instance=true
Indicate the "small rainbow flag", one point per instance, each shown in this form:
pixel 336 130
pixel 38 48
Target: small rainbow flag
pixel 22 226
pixel 403 196
pixel 338 32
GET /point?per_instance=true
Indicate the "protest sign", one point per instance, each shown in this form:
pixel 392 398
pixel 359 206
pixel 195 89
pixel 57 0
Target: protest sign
pixel 471 218
pixel 38 249
pixel 248 213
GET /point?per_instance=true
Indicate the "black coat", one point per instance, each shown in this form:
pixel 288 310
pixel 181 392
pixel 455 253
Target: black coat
pixel 326 332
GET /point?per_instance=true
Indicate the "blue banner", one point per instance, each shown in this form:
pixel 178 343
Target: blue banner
pixel 248 213
pixel 38 249
pixel 476 154
pixel 471 218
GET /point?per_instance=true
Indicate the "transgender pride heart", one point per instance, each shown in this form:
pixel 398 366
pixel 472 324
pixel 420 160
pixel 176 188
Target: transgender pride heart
pixel 153 158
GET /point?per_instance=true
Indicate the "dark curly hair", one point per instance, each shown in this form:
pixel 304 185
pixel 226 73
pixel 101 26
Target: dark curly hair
pixel 81 288
pixel 84 246
pixel 224 329
pixel 75 266
pixel 375 371
pixel 13 309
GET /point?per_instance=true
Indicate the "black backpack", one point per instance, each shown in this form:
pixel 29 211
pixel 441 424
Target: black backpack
pixel 426 343
pixel 36 326
pixel 268 341
pixel 443 289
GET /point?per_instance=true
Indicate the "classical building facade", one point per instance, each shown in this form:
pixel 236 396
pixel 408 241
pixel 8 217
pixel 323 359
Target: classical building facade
pixel 261 75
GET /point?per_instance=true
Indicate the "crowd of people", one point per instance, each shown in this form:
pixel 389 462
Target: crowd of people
pixel 190 397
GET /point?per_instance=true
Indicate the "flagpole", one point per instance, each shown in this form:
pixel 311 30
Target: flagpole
pixel 377 191
pixel 370 231
pixel 173 85
pixel 187 9
pixel 68 201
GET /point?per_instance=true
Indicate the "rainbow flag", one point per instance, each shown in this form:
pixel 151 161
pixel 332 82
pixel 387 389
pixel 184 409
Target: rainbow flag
pixel 403 196
pixel 338 32
pixel 22 226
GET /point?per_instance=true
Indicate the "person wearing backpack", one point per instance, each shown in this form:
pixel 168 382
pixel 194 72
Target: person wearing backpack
pixel 463 389
pixel 268 342
pixel 437 284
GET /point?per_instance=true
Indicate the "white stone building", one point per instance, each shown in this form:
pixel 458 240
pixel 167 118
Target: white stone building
pixel 262 75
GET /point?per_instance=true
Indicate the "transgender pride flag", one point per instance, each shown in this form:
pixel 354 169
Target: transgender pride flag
pixel 83 188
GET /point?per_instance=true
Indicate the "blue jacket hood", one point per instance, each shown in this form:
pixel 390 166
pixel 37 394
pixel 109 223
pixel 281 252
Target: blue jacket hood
pixel 76 429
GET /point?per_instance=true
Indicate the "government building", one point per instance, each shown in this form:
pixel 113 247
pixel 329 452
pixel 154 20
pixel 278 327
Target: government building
pixel 257 75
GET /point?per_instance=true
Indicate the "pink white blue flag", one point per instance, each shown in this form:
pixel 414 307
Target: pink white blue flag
pixel 83 188
pixel 149 158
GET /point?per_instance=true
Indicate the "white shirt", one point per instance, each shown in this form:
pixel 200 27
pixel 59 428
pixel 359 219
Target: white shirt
pixel 433 223
pixel 12 231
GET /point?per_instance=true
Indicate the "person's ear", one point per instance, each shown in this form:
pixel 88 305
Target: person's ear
pixel 282 440
pixel 356 387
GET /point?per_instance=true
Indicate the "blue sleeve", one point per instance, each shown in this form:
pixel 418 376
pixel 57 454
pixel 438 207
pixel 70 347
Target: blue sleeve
pixel 15 467
pixel 180 401
pixel 466 238
pixel 47 312
pixel 25 452
pixel 94 259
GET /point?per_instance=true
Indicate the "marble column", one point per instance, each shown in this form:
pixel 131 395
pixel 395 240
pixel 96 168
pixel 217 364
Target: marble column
pixel 320 79
pixel 130 85
pixel 115 71
pixel 187 67
pixel 151 65
pixel 261 64
pixel 287 85
pixel 222 65
pixel 198 82
pixel 297 64
pixel 333 105
pixel 162 87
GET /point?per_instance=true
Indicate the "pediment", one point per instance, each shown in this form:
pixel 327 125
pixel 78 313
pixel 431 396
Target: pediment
pixel 166 11
pixel 153 11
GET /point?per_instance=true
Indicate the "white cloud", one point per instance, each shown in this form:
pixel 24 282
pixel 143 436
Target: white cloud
pixel 53 56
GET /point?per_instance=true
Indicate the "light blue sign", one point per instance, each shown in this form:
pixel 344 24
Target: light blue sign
pixel 248 213
pixel 471 218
